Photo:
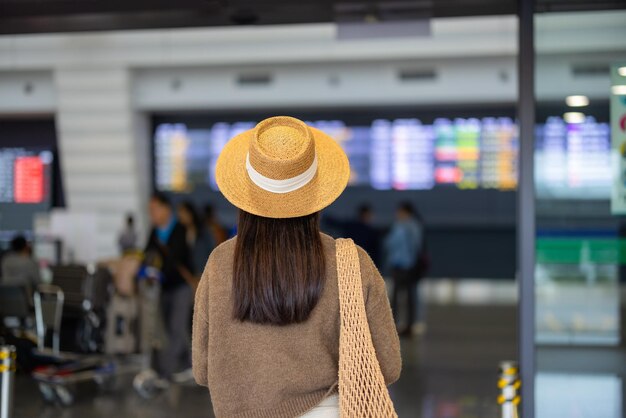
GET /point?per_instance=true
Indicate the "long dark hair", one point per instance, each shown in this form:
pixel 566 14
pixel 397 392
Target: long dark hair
pixel 278 269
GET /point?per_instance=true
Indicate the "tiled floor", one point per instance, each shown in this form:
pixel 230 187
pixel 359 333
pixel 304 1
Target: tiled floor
pixel 450 372
pixel 123 402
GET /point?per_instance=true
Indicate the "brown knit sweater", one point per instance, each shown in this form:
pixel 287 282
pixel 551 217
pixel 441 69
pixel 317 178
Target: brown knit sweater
pixel 267 371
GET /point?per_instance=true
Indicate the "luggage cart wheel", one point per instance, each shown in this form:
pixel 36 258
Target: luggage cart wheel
pixel 64 395
pixel 47 392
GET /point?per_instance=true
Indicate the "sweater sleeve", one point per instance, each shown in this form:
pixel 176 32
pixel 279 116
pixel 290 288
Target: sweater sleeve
pixel 380 319
pixel 200 332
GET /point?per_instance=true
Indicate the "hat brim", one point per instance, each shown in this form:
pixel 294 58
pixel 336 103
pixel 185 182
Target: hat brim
pixel 333 172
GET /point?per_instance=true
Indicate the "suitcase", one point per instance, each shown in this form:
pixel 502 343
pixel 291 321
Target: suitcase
pixel 120 335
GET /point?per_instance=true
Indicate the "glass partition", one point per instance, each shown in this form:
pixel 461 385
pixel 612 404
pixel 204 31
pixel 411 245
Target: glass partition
pixel 579 182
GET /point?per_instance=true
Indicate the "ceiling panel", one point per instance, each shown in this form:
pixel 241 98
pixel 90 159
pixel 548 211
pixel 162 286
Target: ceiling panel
pixel 37 16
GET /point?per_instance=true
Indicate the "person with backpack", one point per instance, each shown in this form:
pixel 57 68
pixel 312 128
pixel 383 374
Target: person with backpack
pixel 403 252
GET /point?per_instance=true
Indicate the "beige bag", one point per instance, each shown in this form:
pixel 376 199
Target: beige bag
pixel 362 389
pixel 124 271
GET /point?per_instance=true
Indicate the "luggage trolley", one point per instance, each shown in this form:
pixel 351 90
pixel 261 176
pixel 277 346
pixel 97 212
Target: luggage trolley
pixel 58 381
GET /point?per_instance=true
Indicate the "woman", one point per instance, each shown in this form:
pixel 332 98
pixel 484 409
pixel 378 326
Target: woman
pixel 199 241
pixel 266 321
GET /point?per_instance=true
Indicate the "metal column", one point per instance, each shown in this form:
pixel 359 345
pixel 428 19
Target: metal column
pixel 526 206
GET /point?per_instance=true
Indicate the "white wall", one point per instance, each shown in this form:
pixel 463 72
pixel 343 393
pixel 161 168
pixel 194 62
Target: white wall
pixel 96 127
pixel 327 84
pixel 101 86
pixel 27 92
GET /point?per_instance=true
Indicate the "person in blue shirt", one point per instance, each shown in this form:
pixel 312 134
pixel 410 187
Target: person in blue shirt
pixel 168 241
pixel 402 248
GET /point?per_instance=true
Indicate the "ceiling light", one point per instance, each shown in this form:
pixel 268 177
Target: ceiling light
pixel 574 117
pixel 622 71
pixel 577 101
pixel 620 89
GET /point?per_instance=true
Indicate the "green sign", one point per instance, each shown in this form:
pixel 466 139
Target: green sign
pixel 581 250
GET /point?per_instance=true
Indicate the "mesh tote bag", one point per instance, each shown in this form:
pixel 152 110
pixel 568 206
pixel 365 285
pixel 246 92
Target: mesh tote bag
pixel 362 389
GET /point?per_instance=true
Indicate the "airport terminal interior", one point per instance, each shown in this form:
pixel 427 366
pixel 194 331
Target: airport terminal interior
pixel 501 123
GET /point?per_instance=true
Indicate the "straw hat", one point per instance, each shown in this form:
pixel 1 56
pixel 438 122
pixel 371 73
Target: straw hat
pixel 282 168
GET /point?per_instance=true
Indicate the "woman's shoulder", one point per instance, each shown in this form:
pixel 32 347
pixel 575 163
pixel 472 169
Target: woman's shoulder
pixel 367 266
pixel 225 249
pixel 218 266
pixel 369 271
pixel 221 256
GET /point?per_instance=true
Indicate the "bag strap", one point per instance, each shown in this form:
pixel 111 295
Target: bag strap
pixel 362 389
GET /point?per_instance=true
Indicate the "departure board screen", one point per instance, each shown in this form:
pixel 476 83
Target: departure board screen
pixel 24 176
pixel 572 160
pixel 25 187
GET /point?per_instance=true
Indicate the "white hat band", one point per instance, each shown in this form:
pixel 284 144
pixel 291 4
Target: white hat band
pixel 281 186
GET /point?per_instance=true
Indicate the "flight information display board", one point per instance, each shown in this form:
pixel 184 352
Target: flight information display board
pixel 572 160
pixel 25 176
pixel 25 187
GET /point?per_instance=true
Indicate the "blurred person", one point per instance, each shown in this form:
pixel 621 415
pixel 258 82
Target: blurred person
pixel 168 241
pixel 19 268
pixel 215 229
pixel 267 318
pixel 402 247
pixel 199 240
pixel 361 230
pixel 127 240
